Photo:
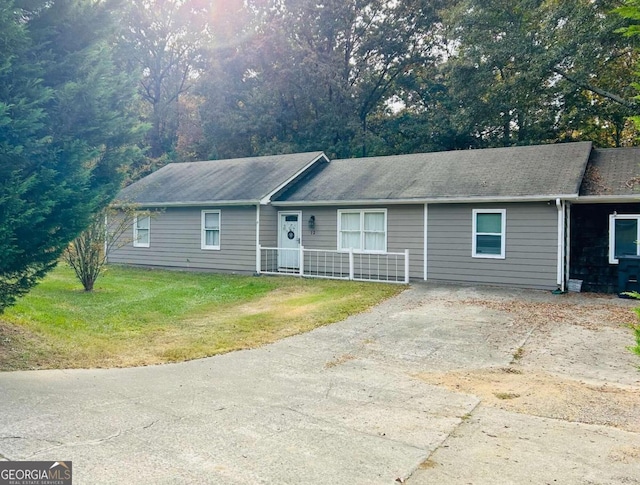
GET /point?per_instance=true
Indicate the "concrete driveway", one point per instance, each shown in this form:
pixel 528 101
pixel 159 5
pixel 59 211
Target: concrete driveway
pixel 440 385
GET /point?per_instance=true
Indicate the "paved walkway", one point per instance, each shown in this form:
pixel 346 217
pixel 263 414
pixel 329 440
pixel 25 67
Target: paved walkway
pixel 341 404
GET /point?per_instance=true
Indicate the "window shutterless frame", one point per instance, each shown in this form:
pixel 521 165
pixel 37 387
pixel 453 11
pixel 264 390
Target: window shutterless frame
pixel 210 229
pixel 489 240
pixel 621 237
pixel 361 233
pixel 141 231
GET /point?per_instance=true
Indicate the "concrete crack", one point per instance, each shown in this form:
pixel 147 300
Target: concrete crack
pixel 150 424
pixel 329 389
pixel 517 355
pixel 25 438
pixel 79 443
pixel 343 426
pixel 444 440
pixel 94 442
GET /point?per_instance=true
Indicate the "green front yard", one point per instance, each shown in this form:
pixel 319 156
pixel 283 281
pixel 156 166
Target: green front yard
pixel 140 317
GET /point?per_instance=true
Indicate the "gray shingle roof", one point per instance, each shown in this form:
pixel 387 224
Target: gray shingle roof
pixel 234 180
pixel 513 172
pixel 613 171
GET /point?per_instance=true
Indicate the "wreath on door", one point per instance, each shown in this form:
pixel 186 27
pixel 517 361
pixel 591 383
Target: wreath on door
pixel 291 235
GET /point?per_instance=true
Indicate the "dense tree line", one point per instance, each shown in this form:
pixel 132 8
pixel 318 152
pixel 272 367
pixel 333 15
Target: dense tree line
pixel 97 92
pixel 367 77
pixel 228 78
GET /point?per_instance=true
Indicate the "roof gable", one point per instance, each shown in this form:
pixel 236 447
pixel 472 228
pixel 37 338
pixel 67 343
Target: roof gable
pixel 541 171
pixel 232 181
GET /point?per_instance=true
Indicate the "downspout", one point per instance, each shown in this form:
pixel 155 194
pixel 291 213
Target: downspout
pixel 561 231
pixel 567 240
pixel 426 234
pixel 258 250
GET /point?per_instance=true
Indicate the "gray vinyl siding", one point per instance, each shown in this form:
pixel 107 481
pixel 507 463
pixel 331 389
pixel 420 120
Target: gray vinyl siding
pixel 268 226
pixel 405 230
pixel 530 253
pixel 175 240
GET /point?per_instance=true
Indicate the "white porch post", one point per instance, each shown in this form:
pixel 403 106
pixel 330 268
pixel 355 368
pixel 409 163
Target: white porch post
pixel 406 266
pixel 258 247
pixel 351 265
pixel 259 259
pixel 301 260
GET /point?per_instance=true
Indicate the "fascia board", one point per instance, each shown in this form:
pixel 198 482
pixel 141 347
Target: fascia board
pixel 200 203
pixel 439 200
pixel 267 198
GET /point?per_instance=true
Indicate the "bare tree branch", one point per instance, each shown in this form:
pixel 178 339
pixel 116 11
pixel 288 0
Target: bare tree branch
pixel 613 97
pixel 87 254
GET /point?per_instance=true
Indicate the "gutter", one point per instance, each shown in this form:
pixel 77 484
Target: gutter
pixel 439 200
pixel 209 203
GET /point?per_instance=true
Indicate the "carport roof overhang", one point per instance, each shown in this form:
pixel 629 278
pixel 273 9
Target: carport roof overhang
pixel 607 199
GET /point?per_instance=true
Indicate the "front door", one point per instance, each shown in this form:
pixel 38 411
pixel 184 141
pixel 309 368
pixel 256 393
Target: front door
pixel 289 240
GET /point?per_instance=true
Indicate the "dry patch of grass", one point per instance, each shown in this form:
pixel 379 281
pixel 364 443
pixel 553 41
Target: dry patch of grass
pixel 546 395
pixel 141 317
pixel 20 346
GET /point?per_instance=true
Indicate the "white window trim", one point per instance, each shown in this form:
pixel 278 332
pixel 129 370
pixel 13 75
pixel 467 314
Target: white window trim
pixel 503 234
pixel 136 242
pixel 612 236
pixel 361 212
pixel 203 234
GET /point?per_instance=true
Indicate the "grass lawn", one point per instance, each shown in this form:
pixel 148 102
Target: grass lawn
pixel 139 317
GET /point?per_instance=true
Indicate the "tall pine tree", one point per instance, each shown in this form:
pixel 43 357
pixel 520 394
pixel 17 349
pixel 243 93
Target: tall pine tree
pixel 66 132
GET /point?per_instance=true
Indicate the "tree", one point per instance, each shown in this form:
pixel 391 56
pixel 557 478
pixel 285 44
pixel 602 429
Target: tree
pixel 366 77
pixel 21 116
pixel 162 40
pixel 87 253
pixel 313 75
pixel 66 131
pixel 630 11
pixel 530 71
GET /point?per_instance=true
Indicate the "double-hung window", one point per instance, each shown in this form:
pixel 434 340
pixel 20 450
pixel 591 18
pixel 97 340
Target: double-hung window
pixel 211 229
pixel 489 233
pixel 362 230
pixel 624 234
pixel 141 231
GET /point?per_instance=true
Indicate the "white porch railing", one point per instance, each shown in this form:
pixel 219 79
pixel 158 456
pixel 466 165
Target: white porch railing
pixel 343 265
